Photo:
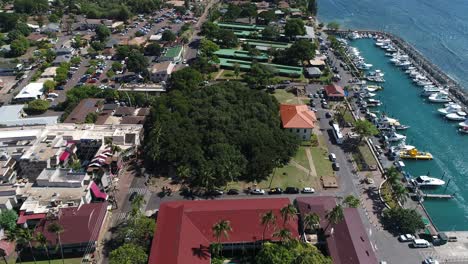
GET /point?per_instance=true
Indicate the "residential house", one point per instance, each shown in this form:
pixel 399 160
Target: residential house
pixel 30 92
pixel 188 224
pixel 83 109
pixel 174 54
pixel 49 72
pixel 298 119
pixel 313 72
pixel 162 71
pixel 51 28
pixel 334 92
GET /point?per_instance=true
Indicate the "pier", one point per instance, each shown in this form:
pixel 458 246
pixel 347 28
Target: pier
pixel 434 72
pixel 436 196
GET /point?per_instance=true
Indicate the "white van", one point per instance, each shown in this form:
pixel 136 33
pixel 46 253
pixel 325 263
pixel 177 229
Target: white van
pixel 53 95
pixel 421 243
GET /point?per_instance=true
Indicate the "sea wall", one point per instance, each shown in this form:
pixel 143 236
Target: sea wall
pixel 433 71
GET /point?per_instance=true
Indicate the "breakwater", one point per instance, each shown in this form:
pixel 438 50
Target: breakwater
pixel 433 71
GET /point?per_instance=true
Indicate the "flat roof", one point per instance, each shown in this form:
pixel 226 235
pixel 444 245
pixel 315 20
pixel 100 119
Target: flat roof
pixel 282 69
pixel 11 115
pixel 173 52
pixel 32 90
pixel 85 107
pixel 240 26
pixel 265 43
pixel 241 54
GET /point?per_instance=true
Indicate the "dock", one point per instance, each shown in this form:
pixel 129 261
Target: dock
pixel 423 195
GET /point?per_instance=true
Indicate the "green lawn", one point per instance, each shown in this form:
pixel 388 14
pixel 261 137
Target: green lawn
pixel 56 261
pixel 367 155
pixel 323 166
pixel 285 97
pixel 301 157
pixel 229 75
pixel 285 78
pixel 287 176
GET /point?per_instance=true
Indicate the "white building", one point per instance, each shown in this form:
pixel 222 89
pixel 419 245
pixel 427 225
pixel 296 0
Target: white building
pixel 162 71
pixel 298 119
pixel 30 92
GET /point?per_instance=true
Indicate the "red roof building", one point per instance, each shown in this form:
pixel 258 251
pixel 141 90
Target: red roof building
pixel 81 226
pixel 347 241
pixel 184 232
pixel 334 92
pixel 297 116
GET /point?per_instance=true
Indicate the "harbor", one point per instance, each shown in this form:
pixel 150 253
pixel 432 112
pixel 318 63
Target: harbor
pixel 440 145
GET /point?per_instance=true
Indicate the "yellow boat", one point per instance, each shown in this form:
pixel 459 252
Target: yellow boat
pixel 415 154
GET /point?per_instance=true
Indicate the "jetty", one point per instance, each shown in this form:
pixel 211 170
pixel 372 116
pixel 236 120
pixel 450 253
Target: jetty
pixel 421 195
pixel 433 71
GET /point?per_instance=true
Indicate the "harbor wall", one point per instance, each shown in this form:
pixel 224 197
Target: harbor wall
pixel 433 71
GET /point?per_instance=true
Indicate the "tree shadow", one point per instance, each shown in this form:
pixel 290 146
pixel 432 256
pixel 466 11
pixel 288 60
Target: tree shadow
pixel 202 252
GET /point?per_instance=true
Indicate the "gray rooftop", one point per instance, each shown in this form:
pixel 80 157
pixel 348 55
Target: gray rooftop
pixel 11 115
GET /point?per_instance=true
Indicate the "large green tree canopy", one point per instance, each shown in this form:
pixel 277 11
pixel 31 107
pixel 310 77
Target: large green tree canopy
pixel 217 134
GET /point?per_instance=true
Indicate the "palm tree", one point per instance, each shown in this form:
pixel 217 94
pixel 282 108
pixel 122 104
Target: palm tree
pixel 42 240
pixel 221 228
pixel 26 237
pixel 13 236
pixel 399 192
pixel 57 229
pixel 393 176
pixel 283 234
pixel 288 212
pixel 311 220
pixel 335 216
pixel 136 204
pixel 268 218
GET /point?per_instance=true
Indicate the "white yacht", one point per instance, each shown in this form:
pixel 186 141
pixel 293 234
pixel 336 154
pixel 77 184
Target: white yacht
pixel 424 83
pixel 441 97
pixel 451 108
pixel 463 125
pixel 395 137
pixel 457 116
pixel 428 182
pixel 463 130
pixel 364 66
pixel 373 88
pixel 429 90
pixel 373 102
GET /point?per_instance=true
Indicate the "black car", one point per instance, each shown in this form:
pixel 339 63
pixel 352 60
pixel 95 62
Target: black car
pixel 328 115
pixel 233 192
pixel 291 190
pixel 132 196
pixel 312 104
pixel 214 192
pixel 336 166
pixel 276 190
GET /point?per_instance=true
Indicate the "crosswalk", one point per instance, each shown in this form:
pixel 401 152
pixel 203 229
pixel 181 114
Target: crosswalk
pixel 120 217
pixel 141 191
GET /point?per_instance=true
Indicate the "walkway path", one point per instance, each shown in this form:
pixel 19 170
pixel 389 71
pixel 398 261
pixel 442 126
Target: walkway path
pixel 299 166
pixel 313 171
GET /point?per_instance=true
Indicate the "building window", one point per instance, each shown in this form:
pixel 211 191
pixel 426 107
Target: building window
pixel 305 130
pixel 304 137
pixel 298 130
pixel 290 130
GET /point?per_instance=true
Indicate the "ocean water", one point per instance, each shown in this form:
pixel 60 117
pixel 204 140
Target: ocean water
pixel 429 131
pixel 437 28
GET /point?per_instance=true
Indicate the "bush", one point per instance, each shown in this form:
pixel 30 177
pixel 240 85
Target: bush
pixel 37 106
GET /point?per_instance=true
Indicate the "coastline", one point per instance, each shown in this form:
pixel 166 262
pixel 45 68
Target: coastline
pixel 434 72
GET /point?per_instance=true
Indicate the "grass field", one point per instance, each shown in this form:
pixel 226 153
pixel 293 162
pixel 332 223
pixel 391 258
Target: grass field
pixel 323 166
pixel 367 155
pixel 301 157
pixel 56 261
pixel 285 97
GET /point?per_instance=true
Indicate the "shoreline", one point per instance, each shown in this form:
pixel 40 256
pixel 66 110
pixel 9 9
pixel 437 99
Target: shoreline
pixel 434 72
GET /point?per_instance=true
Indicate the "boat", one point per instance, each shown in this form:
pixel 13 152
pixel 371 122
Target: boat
pixel 364 66
pixel 388 54
pixel 415 154
pixel 441 97
pixel 431 89
pixel 457 116
pixel 373 88
pixel 424 83
pixel 451 108
pixel 375 76
pixel 463 124
pixel 463 130
pixel 425 181
pixel 395 137
pixel 373 102
pixel 402 127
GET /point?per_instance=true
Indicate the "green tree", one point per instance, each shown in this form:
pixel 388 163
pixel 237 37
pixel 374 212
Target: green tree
pixel 49 86
pixel 227 39
pixel 267 219
pixel 223 227
pixel 288 212
pixel 57 229
pixel 37 106
pixel 137 62
pixel 128 254
pixel 236 69
pixel 260 75
pixel 335 215
pixel 274 254
pixel 333 25
pixel 310 221
pixel 19 46
pixel 43 243
pixel 91 118
pixel 400 192
pixel 210 30
pixel 102 32
pixel 364 128
pixel 351 201
pixel 208 47
pixel 8 220
pixel 117 66
pixel 266 17
pixel 393 176
pixel 153 49
pixel 271 32
pixel 250 11
pixel 302 50
pixel 284 235
pixel 403 221
pixel 312 7
pixel 186 79
pixel 26 237
pixel 294 27
pixel 233 12
pixel 168 36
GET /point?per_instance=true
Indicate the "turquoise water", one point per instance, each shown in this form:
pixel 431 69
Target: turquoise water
pixel 437 28
pixel 429 132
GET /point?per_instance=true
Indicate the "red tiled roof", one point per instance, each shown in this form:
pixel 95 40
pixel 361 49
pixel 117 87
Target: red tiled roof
pixel 97 193
pixel 22 218
pixel 184 231
pixel 334 90
pixel 349 243
pixel 80 224
pixel 297 116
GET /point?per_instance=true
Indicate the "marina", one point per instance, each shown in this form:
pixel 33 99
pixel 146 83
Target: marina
pixel 401 98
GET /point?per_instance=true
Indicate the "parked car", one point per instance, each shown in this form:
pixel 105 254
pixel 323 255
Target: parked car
pixel 308 190
pixel 421 243
pixel 233 192
pixel 276 190
pixel 431 260
pixel 214 192
pixel 132 196
pixel 53 95
pixel 257 192
pixel 406 238
pixel 332 157
pixel 336 166
pixel 328 115
pixel 291 190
